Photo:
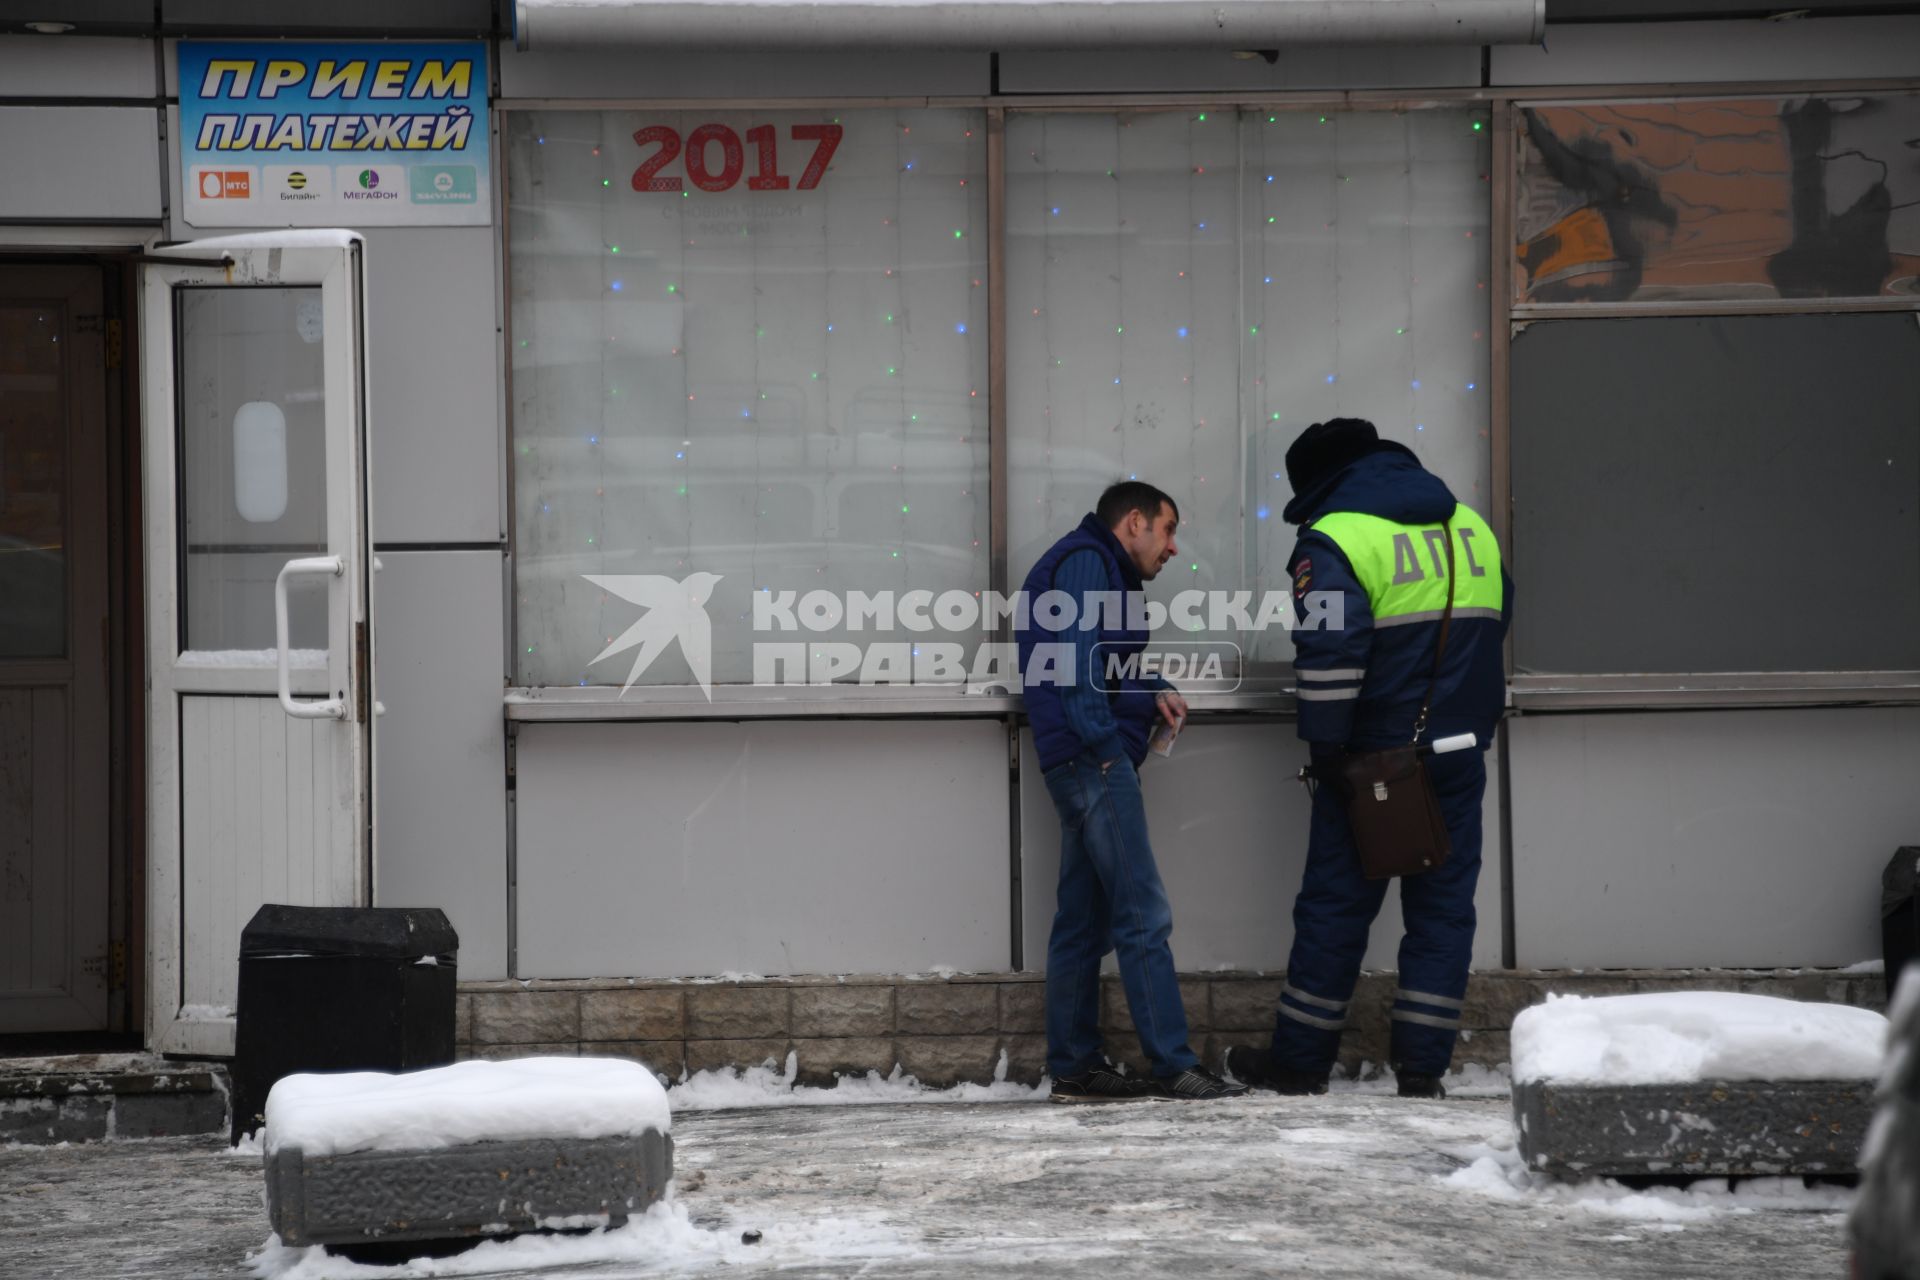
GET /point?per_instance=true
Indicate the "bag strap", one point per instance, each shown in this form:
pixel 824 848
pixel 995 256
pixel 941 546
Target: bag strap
pixel 1440 648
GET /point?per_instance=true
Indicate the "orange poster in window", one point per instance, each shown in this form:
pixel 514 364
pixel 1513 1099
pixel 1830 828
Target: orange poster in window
pixel 1810 197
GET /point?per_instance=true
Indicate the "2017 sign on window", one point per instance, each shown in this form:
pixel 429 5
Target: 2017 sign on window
pixel 699 157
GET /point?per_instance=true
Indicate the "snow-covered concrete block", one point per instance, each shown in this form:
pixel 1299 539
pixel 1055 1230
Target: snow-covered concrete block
pixel 1713 1128
pixel 1710 1083
pixel 477 1189
pixel 475 1149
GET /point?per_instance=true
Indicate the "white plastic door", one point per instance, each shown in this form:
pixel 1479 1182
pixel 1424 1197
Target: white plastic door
pixel 260 636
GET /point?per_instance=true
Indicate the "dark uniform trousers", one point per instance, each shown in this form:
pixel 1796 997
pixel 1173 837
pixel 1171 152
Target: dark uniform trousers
pixel 1335 911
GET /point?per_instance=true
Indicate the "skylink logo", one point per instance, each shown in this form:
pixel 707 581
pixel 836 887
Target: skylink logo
pixel 1215 661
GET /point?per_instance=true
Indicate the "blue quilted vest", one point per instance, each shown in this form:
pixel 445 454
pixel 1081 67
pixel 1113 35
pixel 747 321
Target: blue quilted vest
pixel 1132 701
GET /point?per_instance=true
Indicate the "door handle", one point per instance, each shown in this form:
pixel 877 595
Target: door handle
pixel 322 709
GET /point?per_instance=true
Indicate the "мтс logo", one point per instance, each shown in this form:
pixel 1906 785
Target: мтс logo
pixel 225 184
pixel 673 610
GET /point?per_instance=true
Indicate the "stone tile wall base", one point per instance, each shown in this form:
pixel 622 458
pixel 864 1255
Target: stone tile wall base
pixel 944 1031
pixel 80 1118
pixel 86 1106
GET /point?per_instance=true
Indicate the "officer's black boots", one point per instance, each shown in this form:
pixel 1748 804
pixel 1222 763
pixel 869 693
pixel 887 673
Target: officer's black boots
pixel 1417 1086
pixel 1254 1066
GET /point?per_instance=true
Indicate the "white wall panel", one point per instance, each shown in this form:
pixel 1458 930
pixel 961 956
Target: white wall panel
pixel 251 831
pixel 80 162
pixel 433 396
pixel 76 67
pixel 1228 824
pixel 1744 838
pixel 1217 70
pixel 740 75
pixel 662 850
pixel 1707 52
pixel 441 751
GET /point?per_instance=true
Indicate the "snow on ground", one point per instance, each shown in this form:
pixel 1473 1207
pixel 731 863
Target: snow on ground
pixel 1349 1186
pixel 727 1090
pixel 1471 1081
pixel 1357 1183
pixel 1679 1037
pixel 467 1102
pixel 664 1240
pixel 1498 1172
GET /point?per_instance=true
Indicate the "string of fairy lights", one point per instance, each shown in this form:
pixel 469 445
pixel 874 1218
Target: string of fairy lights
pixel 637 408
pixel 1049 361
pixel 903 165
pixel 1195 465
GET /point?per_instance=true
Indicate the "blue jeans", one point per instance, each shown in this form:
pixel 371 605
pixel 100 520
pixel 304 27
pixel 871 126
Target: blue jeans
pixel 1110 899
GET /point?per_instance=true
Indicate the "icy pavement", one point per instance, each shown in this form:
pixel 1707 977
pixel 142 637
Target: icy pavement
pixel 1356 1184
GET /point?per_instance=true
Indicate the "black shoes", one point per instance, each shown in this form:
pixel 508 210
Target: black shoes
pixel 1416 1086
pixel 1104 1084
pixel 1255 1067
pixel 1196 1084
pixel 1098 1084
pixel 1244 1063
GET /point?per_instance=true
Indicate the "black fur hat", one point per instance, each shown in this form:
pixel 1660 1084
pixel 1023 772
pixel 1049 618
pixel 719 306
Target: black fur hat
pixel 1326 447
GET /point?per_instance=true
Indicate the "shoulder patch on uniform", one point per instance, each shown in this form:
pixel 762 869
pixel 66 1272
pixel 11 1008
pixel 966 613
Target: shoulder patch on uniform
pixel 1302 576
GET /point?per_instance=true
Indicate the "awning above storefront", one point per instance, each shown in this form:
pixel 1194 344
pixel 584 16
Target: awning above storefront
pixel 547 25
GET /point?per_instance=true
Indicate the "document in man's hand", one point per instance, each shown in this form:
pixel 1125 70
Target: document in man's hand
pixel 1160 741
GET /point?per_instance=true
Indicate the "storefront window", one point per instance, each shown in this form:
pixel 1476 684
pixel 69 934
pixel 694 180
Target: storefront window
pixel 752 346
pixel 1188 290
pixel 747 344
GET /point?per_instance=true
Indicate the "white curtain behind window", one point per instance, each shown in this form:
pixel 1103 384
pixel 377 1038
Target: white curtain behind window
pixel 782 386
pixel 1189 290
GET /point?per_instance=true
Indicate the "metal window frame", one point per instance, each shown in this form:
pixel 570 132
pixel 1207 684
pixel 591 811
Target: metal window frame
pixel 1264 695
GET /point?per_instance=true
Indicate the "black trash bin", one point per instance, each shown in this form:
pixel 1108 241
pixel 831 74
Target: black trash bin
pixel 339 989
pixel 1900 913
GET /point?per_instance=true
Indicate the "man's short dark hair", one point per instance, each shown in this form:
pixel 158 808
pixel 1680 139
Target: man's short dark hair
pixel 1133 495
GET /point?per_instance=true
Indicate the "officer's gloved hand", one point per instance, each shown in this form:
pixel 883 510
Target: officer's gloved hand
pixel 1324 760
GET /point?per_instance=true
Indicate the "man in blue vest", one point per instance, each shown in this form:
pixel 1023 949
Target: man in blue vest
pixel 1084 619
pixel 1374 528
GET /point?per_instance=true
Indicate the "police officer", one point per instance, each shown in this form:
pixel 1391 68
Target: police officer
pixel 1372 529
